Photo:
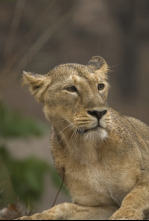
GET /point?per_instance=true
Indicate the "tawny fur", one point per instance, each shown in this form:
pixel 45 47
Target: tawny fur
pixel 106 167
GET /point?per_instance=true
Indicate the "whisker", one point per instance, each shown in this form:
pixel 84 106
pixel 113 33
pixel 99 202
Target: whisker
pixel 65 131
pixel 71 139
pixel 70 125
pixel 75 138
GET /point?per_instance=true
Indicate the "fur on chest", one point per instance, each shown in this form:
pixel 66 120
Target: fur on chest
pixel 98 184
pixel 96 175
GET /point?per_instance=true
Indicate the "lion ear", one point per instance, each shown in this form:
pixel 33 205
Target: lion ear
pixel 99 65
pixel 37 84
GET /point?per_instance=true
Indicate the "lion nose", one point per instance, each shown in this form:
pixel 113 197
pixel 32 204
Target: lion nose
pixel 97 114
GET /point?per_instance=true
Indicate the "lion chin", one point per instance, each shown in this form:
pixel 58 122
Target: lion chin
pixel 96 134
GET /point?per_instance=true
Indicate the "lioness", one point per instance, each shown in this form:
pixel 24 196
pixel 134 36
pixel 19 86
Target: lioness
pixel 104 154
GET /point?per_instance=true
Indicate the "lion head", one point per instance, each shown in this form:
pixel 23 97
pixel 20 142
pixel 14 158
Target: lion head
pixel 74 96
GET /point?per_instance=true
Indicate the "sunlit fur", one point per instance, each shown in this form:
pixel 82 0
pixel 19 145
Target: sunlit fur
pixel 106 163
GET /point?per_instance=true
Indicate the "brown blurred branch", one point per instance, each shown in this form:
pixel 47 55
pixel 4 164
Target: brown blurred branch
pixel 12 61
pixel 14 28
pixel 43 39
pixel 18 62
pixel 35 48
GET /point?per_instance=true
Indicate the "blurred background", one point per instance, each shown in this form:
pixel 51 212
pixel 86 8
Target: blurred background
pixel 37 35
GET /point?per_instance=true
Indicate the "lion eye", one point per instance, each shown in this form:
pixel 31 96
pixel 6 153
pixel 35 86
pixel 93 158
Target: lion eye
pixel 71 89
pixel 101 87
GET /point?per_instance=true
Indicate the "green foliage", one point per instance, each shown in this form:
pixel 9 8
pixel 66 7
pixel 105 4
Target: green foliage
pixel 13 124
pixel 27 177
pixel 22 179
pixel 7 194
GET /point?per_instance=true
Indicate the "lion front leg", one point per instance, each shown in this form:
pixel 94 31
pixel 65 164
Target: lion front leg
pixel 134 205
pixel 70 211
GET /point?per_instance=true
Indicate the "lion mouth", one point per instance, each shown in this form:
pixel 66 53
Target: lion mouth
pixel 84 131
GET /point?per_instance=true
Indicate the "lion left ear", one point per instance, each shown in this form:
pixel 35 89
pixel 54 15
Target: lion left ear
pixel 37 84
pixel 99 65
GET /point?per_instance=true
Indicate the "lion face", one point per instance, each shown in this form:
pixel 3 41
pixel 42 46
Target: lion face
pixel 74 96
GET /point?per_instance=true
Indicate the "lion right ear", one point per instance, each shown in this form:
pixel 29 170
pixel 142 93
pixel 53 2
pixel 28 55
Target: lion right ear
pixel 37 84
pixel 99 65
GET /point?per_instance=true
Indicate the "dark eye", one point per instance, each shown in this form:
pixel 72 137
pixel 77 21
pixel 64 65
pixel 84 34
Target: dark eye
pixel 101 87
pixel 71 89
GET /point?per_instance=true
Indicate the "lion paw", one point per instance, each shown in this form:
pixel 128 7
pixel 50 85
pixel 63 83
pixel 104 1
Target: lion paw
pixel 127 215
pixel 55 213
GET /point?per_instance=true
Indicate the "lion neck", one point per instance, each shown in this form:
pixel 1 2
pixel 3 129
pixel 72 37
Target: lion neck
pixel 84 150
